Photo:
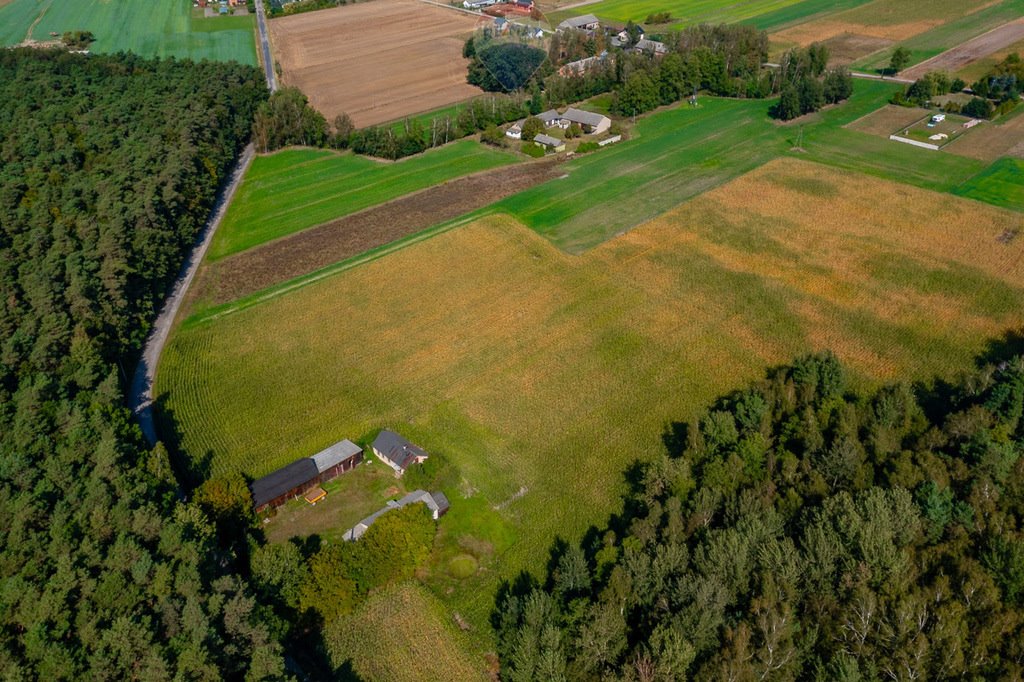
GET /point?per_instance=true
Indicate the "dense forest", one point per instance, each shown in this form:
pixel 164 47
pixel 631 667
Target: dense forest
pixel 109 165
pixel 798 530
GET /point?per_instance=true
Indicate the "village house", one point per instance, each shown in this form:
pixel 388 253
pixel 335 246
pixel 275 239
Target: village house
pixel 618 35
pixel 304 475
pixel 588 23
pixel 654 47
pixel 436 502
pixel 397 452
pixel 591 123
pixel 582 66
pixel 515 131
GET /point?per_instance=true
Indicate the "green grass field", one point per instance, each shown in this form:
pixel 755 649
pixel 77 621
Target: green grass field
pixel 295 189
pixel 800 12
pixel 541 375
pixel 685 12
pixel 154 28
pixel 682 152
pixel 1001 184
pixel 941 38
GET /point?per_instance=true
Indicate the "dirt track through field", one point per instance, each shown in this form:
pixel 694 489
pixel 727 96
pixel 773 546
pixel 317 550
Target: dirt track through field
pixel 971 51
pixel 315 248
pixel 377 62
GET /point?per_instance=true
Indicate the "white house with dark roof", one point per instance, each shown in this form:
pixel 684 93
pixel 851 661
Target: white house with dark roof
pixel 591 123
pixel 397 452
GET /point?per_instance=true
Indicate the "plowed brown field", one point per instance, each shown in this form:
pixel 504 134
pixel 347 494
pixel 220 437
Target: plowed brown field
pixel 377 61
pixel 971 51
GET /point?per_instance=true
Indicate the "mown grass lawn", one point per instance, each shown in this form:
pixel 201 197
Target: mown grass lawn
pixel 541 376
pixel 294 189
pixel 151 28
pixel 689 12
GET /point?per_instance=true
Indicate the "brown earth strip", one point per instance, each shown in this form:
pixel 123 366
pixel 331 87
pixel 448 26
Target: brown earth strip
pixel 310 250
pixel 971 51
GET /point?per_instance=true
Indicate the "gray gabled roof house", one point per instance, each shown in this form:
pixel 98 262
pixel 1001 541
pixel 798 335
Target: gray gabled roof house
pixel 590 122
pixel 397 452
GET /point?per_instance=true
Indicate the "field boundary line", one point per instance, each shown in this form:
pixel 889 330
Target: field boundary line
pixel 337 268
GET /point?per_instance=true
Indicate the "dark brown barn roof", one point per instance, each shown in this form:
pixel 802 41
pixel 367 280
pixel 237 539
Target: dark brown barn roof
pixel 272 486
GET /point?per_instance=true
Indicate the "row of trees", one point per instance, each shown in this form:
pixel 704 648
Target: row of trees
pixel 800 531
pixel 108 169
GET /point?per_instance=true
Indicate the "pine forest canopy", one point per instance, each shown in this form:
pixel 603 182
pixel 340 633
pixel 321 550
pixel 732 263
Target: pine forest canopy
pixel 800 532
pixel 109 166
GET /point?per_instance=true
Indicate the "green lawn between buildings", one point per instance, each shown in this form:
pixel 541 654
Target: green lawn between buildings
pixel 151 28
pixel 298 188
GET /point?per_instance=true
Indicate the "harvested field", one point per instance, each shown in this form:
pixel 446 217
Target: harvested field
pixel 971 51
pixel 510 357
pixel 403 634
pixel 849 47
pixel 821 30
pixel 299 254
pixel 980 67
pixel 993 140
pixel 888 119
pixel 377 61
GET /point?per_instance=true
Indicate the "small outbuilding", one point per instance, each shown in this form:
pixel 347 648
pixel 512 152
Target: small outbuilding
pixel 548 142
pixel 436 502
pixel 587 22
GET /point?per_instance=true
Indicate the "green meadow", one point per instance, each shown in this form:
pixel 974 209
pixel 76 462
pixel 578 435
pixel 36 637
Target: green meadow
pixel 1001 184
pixel 154 28
pixel 682 152
pixel 684 12
pixel 295 189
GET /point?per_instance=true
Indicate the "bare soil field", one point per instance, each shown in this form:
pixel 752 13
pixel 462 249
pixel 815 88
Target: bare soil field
pixel 971 51
pixel 822 30
pixel 980 67
pixel 377 61
pixel 849 47
pixel 888 120
pixel 308 251
pixel 991 141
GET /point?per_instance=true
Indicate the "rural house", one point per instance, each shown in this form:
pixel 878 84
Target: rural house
pixel 293 480
pixel 515 131
pixel 654 47
pixel 587 22
pixel 550 118
pixel 397 452
pixel 581 66
pixel 436 502
pixel 552 143
pixel 591 123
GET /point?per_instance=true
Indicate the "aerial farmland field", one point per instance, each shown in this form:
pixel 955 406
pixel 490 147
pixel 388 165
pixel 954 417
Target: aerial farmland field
pixel 356 58
pixel 498 351
pixel 160 28
pixel 295 189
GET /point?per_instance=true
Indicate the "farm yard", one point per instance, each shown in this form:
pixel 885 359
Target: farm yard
pixel 355 59
pixel 296 189
pixel 158 28
pixel 510 357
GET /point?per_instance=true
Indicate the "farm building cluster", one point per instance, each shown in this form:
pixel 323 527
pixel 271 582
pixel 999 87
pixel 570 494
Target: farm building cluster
pixel 589 122
pixel 302 478
pixel 630 37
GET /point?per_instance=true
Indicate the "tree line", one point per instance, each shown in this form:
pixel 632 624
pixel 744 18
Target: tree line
pixel 799 530
pixel 109 167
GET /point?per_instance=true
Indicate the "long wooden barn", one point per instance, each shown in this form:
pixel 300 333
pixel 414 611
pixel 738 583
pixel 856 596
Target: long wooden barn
pixel 293 480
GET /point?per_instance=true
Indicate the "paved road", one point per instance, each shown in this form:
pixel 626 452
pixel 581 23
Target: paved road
pixel 140 396
pixel 268 62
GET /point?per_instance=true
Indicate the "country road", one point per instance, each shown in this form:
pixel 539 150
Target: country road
pixel 268 62
pixel 140 393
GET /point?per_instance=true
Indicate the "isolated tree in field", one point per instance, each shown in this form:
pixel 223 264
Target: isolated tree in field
pixel 532 127
pixel 899 60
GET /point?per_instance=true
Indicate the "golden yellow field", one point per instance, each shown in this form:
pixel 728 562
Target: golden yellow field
pixel 542 376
